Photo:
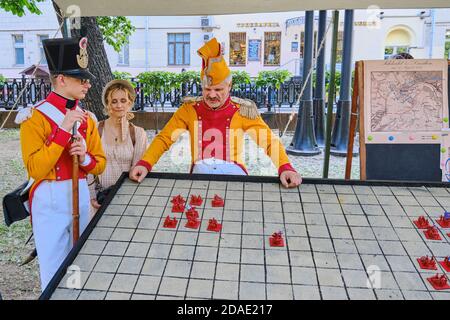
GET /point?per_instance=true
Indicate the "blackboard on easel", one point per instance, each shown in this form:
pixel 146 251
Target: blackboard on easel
pixel 399 161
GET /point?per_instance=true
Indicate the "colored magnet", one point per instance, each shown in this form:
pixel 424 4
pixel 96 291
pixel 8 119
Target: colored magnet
pixel 192 213
pixel 178 204
pixel 444 222
pixel 427 263
pixel 432 233
pixel 422 223
pixel 276 239
pixel 445 264
pixel 439 282
pixel 213 225
pixel 391 138
pixel 370 138
pixel 196 200
pixel 170 223
pixel 217 201
pixel 193 223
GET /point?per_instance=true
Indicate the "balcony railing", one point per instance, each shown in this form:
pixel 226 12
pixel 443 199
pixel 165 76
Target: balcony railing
pixel 264 97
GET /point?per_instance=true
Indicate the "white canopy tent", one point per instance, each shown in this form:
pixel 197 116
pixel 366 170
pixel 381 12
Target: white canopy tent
pixel 217 7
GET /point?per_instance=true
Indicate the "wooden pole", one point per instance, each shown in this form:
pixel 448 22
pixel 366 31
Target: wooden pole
pixel 75 194
pixel 353 118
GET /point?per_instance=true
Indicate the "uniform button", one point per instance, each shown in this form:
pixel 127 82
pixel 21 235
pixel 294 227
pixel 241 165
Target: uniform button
pixel 57 168
pixel 228 119
pixel 199 118
pixel 58 178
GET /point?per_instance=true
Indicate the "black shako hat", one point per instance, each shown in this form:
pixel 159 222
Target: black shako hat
pixel 68 56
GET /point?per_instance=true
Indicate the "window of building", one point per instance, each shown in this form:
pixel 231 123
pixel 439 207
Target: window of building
pixel 447 45
pixel 397 41
pixel 340 47
pixel 19 49
pixel 179 48
pixel 393 50
pixel 272 48
pixel 238 48
pixel 302 44
pixel 41 49
pixel 124 54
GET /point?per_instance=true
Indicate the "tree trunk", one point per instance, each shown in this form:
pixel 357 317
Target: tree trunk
pixel 98 65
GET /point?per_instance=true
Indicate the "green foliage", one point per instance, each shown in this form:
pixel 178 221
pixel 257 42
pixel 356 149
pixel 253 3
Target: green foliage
pixel 121 75
pixel 2 79
pixel 17 7
pixel 240 78
pixel 188 77
pixel 272 78
pixel 447 49
pixel 155 81
pixel 116 30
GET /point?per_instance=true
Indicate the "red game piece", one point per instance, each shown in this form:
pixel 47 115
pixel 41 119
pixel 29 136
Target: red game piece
pixel 422 223
pixel 213 225
pixel 427 263
pixel 276 240
pixel 432 233
pixel 196 200
pixel 445 264
pixel 444 222
pixel 178 204
pixel 217 201
pixel 439 282
pixel 170 223
pixel 192 213
pixel 192 223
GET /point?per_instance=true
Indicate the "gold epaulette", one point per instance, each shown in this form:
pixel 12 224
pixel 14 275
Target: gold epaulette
pixel 191 99
pixel 247 108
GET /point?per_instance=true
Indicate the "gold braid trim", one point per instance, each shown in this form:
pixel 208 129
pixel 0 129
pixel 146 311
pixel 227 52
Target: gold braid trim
pixel 247 108
pixel 190 99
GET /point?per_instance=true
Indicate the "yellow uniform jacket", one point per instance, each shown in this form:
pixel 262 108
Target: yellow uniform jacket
pixel 217 134
pixel 45 145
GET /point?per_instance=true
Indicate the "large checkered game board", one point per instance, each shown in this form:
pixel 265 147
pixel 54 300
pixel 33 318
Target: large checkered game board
pixel 342 241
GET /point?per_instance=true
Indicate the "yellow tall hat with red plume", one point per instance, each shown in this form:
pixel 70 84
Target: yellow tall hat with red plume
pixel 214 67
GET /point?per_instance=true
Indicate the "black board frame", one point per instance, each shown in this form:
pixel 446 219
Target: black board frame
pixel 60 273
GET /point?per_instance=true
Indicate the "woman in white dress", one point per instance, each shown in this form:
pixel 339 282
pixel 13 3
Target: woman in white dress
pixel 123 142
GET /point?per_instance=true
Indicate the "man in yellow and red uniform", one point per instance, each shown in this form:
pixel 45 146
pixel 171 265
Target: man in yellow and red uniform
pixel 216 123
pixel 47 149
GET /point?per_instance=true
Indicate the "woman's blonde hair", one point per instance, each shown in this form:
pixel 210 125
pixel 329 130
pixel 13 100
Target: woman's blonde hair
pixel 117 85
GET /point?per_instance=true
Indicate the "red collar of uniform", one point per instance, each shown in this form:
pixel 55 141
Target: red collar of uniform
pixel 60 102
pixel 226 104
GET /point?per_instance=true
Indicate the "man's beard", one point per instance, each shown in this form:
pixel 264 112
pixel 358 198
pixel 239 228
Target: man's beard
pixel 213 103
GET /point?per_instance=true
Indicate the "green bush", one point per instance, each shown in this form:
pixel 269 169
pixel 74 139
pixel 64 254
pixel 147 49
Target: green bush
pixel 121 75
pixel 2 79
pixel 272 78
pixel 240 78
pixel 188 76
pixel 155 81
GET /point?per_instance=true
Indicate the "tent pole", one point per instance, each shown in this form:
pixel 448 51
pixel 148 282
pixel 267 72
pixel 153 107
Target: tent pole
pixel 331 90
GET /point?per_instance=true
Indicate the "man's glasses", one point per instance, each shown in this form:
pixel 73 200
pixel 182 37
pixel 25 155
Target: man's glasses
pixel 82 81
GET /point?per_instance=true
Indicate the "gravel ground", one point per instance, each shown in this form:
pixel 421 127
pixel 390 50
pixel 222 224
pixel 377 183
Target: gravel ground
pixel 23 282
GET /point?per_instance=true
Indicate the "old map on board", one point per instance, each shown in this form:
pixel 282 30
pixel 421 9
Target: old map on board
pixel 405 97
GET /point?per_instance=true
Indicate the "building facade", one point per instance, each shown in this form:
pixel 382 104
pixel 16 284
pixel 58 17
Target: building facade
pixel 251 42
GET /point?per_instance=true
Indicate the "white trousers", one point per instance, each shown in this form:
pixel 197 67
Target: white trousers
pixel 52 223
pixel 217 166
